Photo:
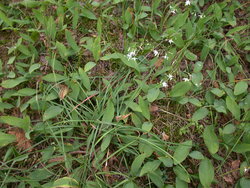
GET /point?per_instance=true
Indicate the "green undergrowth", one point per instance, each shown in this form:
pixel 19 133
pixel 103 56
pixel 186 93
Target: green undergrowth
pixel 116 93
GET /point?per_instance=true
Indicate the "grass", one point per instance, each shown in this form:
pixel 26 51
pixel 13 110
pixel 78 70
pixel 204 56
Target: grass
pixel 116 93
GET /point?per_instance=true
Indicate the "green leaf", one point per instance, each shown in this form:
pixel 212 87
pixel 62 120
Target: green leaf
pixel 196 155
pixel 64 53
pixel 217 11
pixel 206 172
pixel 181 174
pixel 89 66
pixel 168 162
pixel 136 165
pixel 88 14
pixel 13 82
pixel 5 19
pixel 180 89
pixel 240 87
pixel 34 67
pixel 180 183
pixel 211 139
pixel 182 152
pixel 25 92
pixel 129 62
pixel 51 28
pixel 233 107
pixel 189 55
pixel 84 78
pixel 217 92
pixel 109 112
pixel 17 122
pixel 53 77
pixel 144 108
pixel 133 106
pixel 150 167
pixel 229 129
pixel 66 182
pixel 6 139
pixel 71 41
pixel 52 112
pixel 153 94
pixel 200 114
pixel 147 126
pixel 105 142
pixel 242 148
pixel 96 48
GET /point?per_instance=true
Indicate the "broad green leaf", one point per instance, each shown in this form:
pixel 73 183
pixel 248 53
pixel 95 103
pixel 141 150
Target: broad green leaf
pixel 182 152
pixel 17 122
pixel 89 66
pixel 64 53
pixel 217 92
pixel 180 183
pixel 34 67
pixel 109 112
pixel 96 48
pixel 13 82
pixel 150 167
pixel 147 126
pixel 6 139
pixel 181 19
pixel 105 142
pixel 84 78
pixel 52 112
pixel 196 155
pixel 189 55
pixel 71 41
pixel 23 49
pixel 217 11
pixel 53 77
pixel 25 92
pixel 206 172
pixel 198 66
pixel 237 29
pixel 144 107
pixel 180 89
pixel 88 14
pixel 168 162
pixel 229 129
pixel 153 94
pixel 137 163
pixel 51 28
pixel 211 139
pixel 156 178
pixel 242 148
pixel 181 174
pixel 66 182
pixel 133 106
pixel 200 114
pixel 240 87
pixel 129 62
pixel 244 182
pixel 5 19
pixel 233 107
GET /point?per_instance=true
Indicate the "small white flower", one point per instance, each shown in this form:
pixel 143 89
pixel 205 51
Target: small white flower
pixel 134 58
pixel 187 3
pixel 170 41
pixel 170 77
pixel 164 84
pixel 202 16
pixel 130 55
pixel 173 11
pixel 165 57
pixel 156 53
pixel 185 79
pixel 245 169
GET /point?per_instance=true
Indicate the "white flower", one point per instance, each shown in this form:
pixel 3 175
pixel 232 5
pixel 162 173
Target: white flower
pixel 134 58
pixel 170 41
pixel 130 55
pixel 173 11
pixel 170 77
pixel 164 84
pixel 165 57
pixel 202 16
pixel 245 169
pixel 187 3
pixel 156 53
pixel 185 79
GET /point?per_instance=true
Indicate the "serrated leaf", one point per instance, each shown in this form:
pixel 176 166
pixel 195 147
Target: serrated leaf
pixel 6 139
pixel 53 77
pixel 233 107
pixel 211 139
pixel 109 112
pixel 182 152
pixel 52 112
pixel 200 114
pixel 206 172
pixel 240 87
pixel 180 89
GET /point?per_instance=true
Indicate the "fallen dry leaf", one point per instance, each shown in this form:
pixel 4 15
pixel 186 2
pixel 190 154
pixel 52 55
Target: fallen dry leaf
pixel 122 117
pixel 164 136
pixel 22 142
pixel 64 90
pixel 158 63
pixel 153 108
pixel 229 179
